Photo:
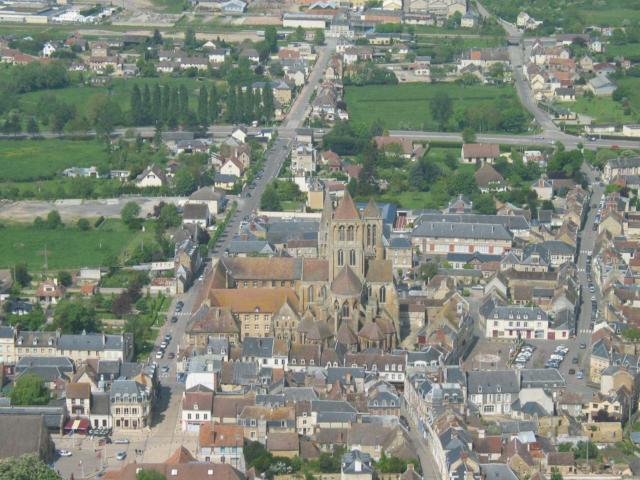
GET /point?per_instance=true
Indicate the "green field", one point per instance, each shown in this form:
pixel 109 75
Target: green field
pixel 66 247
pixel 460 42
pixel 26 160
pixel 406 106
pixel 606 110
pixel 80 96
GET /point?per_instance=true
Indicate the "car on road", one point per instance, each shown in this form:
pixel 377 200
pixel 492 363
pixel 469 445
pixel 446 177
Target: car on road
pixel 180 305
pixel 248 195
pixel 172 356
pixel 121 456
pixel 159 354
pixel 575 360
pixel 121 441
pixel 583 346
pixel 104 441
pixel 174 319
pixel 580 375
pixel 572 371
pixel 64 453
pixel 165 369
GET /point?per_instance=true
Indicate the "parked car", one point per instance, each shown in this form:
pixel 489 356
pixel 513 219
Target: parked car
pixel 121 456
pixel 121 441
pixel 172 356
pixel 174 319
pixel 583 346
pixel 580 375
pixel 572 371
pixel 159 354
pixel 64 453
pixel 575 360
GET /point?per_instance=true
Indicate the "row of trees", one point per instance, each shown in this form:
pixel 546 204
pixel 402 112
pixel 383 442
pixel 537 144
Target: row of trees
pixel 244 105
pixel 169 105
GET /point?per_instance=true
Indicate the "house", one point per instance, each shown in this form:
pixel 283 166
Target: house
pixel 209 197
pixel 601 86
pixel 283 444
pixel 480 152
pixel 240 134
pixel 233 7
pixel 25 434
pixel 509 322
pixel 197 406
pixel 621 167
pixel 224 182
pixel 50 292
pixel 152 176
pixel 543 187
pixel 438 238
pixel 489 179
pixel 232 167
pixel 196 213
pixel 219 443
pixel 130 405
pixel 493 392
pixel 303 159
pixel 78 399
pixel 356 465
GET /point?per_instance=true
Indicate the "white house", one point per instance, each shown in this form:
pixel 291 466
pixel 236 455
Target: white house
pixel 232 167
pixel 152 176
pixel 493 392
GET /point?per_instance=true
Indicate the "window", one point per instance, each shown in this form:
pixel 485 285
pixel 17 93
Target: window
pixel 188 416
pixel 373 236
pixel 345 310
pixel 341 233
pixel 368 234
pixel 352 258
pixel 350 233
pixel 383 294
pixel 340 258
pixel 310 293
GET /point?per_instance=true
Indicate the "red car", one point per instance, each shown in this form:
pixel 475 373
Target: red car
pixel 172 356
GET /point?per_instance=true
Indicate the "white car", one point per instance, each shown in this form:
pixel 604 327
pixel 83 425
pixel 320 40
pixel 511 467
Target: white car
pixel 159 354
pixel 556 357
pixel 64 453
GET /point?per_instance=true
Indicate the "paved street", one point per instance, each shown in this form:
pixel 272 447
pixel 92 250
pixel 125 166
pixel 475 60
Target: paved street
pixel 427 462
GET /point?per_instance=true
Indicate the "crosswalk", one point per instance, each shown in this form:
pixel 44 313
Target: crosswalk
pixel 585 252
pixel 585 330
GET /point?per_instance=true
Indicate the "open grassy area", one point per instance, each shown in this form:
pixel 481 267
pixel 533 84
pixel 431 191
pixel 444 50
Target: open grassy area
pixel 25 160
pixel 461 41
pixel 66 247
pixel 602 109
pixel 120 89
pixel 406 106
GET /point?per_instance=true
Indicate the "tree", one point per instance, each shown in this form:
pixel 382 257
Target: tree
pixel 146 105
pixel 169 216
pixel 270 200
pixel 428 270
pixel 21 274
pixel 156 105
pixel 121 304
pixel 484 204
pixel 185 182
pixel 75 317
pixel 104 114
pixel 555 474
pixel 268 105
pixel 203 106
pixel 129 215
pixel 271 38
pixel 26 467
pixel 64 278
pixel 424 173
pixel 190 41
pixel 83 224
pixel 135 106
pixel 32 126
pixel 30 389
pixel 150 475
pixel 157 37
pixel 318 37
pixel 213 104
pixel 53 220
pixel 468 135
pixel 441 107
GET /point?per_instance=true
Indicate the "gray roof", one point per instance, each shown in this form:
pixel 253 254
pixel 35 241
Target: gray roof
pixel 125 387
pixel 28 440
pixel 91 341
pixel 339 373
pixel 541 378
pixel 6 331
pixel 238 247
pixel 206 194
pixel 339 406
pixel 497 471
pixel 257 347
pixel 497 381
pixel 53 417
pixel 400 242
pixel 298 394
pixel 511 312
pixel 196 211
pixel 100 404
pixel 624 162
pixel 356 462
pixel 462 230
pixel 512 222
pixel 281 231
pixel 60 362
pixel 558 247
pixel 468 257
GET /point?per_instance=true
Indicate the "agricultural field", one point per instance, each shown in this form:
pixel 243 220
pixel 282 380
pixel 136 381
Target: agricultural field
pixel 29 160
pixel 66 247
pixel 406 106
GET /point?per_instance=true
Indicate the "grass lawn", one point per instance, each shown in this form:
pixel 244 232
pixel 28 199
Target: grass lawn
pixel 461 42
pixel 80 96
pixel 406 106
pixel 24 160
pixel 602 109
pixel 66 247
pixel 632 87
pixel 630 50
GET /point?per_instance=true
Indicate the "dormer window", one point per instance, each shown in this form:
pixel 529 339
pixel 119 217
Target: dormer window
pixel 195 406
pixel 479 389
pixel 499 389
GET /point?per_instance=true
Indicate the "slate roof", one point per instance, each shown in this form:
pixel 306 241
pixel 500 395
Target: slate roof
pixel 258 347
pixel 346 283
pixel 511 222
pixel 488 382
pixel 91 341
pixel 31 432
pixel 541 378
pixel 462 230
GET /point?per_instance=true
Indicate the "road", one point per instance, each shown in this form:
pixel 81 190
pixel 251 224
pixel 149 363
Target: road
pixel 428 463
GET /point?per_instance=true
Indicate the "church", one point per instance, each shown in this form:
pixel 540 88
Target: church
pixel 346 298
